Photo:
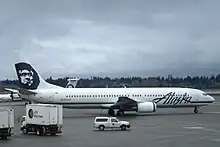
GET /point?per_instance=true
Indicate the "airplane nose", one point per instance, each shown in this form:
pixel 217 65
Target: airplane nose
pixel 212 99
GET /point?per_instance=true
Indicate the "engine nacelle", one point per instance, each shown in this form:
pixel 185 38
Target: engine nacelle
pixel 146 107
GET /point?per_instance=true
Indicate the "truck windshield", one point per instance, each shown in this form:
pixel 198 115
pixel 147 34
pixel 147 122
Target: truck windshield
pixel 22 119
pixel 114 120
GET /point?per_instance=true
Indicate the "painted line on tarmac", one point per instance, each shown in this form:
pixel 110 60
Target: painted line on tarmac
pixel 212 112
pixel 202 128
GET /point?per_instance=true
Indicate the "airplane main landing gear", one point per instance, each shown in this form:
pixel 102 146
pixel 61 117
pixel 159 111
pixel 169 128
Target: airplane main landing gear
pixel 120 113
pixel 196 110
pixel 111 112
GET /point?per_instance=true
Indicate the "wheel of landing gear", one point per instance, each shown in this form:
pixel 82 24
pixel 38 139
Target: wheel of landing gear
pixel 111 112
pixel 196 110
pixel 120 113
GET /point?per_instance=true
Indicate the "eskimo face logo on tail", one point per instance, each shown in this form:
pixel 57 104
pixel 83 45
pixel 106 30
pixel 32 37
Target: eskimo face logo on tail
pixel 28 77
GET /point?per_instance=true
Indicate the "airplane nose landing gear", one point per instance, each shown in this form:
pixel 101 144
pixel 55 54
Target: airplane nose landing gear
pixel 196 110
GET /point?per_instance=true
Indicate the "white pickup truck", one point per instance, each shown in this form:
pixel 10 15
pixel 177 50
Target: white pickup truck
pixel 110 123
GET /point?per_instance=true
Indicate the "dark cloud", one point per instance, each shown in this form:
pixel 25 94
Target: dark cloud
pixel 111 38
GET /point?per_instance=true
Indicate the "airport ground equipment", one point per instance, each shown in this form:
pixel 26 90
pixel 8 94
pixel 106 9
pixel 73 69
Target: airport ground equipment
pixel 103 123
pixel 6 122
pixel 42 119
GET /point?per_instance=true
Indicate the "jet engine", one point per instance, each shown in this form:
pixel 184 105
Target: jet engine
pixel 145 107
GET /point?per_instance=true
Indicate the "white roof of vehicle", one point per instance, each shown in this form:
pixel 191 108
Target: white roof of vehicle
pixel 104 117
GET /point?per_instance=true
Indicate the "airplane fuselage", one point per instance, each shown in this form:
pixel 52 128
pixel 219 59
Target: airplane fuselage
pixel 105 97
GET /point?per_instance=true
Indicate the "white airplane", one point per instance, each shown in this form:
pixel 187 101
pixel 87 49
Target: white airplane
pixel 142 100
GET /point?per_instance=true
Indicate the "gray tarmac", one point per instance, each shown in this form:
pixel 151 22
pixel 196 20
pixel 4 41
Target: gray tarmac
pixel 167 127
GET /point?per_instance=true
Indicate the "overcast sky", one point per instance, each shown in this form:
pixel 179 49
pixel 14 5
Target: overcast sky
pixel 111 37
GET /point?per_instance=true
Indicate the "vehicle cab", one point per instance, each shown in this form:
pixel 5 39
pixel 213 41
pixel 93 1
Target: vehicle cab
pixel 23 122
pixel 110 123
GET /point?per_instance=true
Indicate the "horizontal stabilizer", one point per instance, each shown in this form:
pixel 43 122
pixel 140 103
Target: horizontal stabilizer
pixel 12 90
pixel 21 91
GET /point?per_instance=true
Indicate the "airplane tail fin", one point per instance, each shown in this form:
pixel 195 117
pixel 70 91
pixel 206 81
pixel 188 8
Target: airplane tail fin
pixel 29 78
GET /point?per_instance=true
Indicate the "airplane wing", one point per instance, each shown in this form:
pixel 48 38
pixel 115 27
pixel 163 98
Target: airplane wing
pixel 21 91
pixel 124 102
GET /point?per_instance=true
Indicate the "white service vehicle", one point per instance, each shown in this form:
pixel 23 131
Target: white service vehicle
pixel 110 123
pixel 6 122
pixel 42 119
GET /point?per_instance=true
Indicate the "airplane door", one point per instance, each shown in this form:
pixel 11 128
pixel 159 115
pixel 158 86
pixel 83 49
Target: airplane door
pixel 196 98
pixel 51 97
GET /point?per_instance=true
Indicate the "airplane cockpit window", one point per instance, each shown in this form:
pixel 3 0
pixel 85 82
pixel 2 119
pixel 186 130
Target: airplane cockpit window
pixel 205 94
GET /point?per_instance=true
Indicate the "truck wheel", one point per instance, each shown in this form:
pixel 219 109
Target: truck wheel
pixel 24 131
pixel 43 131
pixel 123 127
pixel 101 128
pixel 39 132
